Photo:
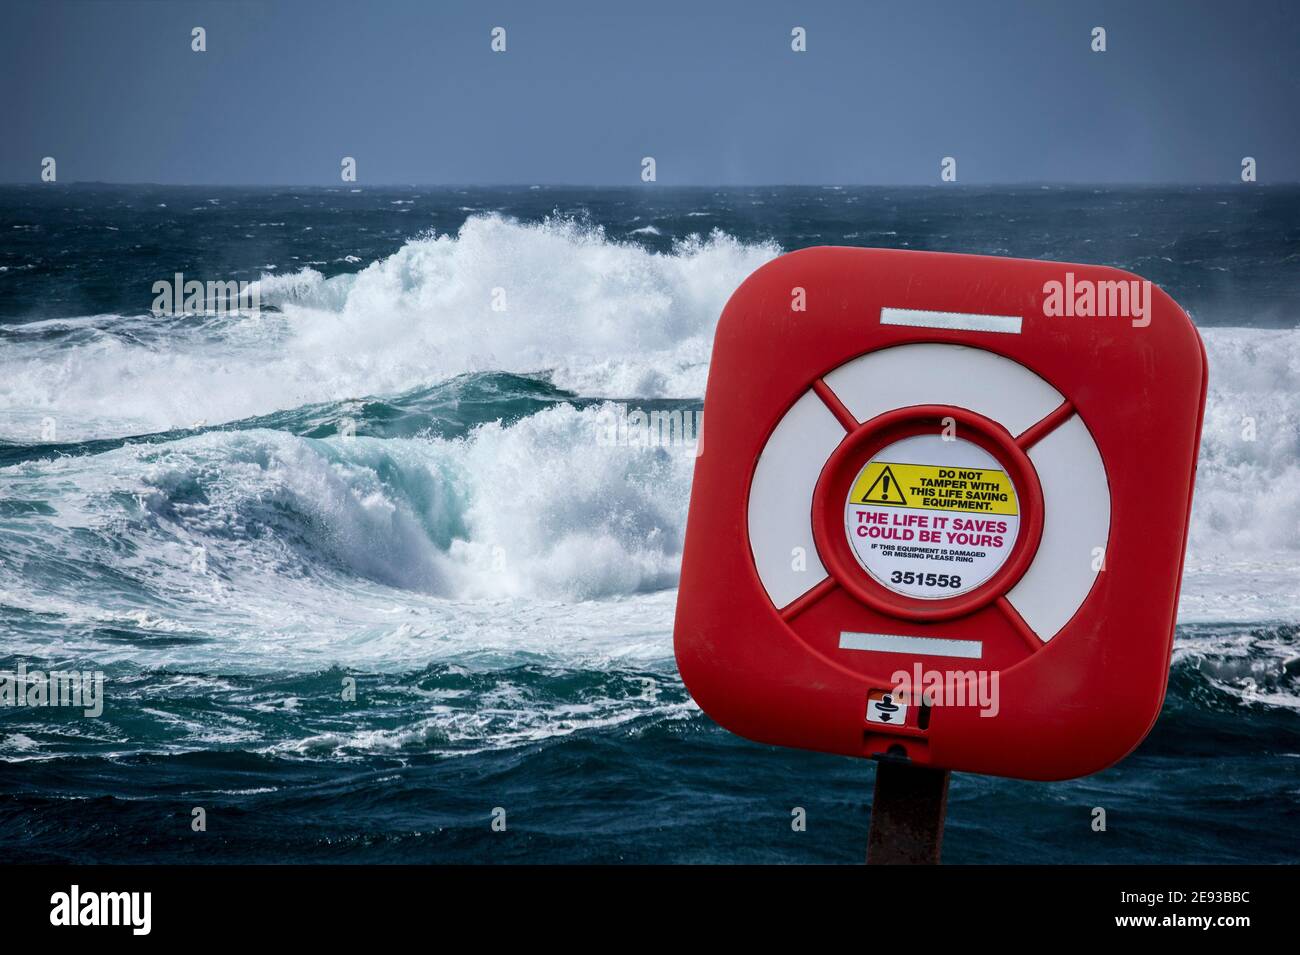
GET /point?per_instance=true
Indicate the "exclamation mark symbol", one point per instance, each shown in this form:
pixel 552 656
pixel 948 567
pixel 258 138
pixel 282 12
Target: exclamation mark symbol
pixel 885 489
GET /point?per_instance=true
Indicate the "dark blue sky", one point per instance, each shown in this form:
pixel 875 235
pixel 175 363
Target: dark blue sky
pixel 710 88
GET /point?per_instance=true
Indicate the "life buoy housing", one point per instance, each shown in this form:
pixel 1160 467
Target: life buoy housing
pixel 941 508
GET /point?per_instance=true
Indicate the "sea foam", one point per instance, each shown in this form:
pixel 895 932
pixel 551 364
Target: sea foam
pixel 378 538
pixel 600 317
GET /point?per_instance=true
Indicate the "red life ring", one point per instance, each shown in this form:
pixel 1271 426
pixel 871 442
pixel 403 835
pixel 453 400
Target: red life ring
pixel 920 471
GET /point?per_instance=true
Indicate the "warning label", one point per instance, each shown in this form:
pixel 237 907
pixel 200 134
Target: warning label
pixel 932 518
pixel 979 490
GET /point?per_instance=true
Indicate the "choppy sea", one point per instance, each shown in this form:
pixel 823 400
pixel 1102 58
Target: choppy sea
pixel 183 508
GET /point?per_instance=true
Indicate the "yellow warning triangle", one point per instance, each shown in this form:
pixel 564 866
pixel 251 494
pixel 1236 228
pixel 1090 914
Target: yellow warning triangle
pixel 884 490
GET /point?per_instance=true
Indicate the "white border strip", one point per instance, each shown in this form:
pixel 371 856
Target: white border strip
pixel 922 646
pixel 961 321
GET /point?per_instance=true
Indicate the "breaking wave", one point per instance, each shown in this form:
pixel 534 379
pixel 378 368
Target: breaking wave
pixel 559 298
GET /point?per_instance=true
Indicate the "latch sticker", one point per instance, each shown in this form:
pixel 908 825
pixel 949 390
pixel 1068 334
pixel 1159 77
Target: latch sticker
pixel 883 708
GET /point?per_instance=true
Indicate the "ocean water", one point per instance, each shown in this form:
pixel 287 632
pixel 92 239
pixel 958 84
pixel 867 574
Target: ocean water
pixel 179 509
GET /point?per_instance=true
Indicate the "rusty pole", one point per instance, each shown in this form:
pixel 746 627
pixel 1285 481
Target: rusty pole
pixel 907 813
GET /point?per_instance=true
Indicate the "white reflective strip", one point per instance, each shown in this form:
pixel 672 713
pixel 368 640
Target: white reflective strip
pixel 780 499
pixel 929 373
pixel 962 321
pixel 920 646
pixel 1076 521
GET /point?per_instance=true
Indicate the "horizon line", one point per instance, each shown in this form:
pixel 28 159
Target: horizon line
pixel 1131 184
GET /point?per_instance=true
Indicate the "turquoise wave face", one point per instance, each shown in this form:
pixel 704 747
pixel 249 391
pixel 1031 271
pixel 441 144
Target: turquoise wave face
pixel 362 548
pixel 449 409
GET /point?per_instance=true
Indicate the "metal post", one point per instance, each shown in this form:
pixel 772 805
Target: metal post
pixel 907 813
